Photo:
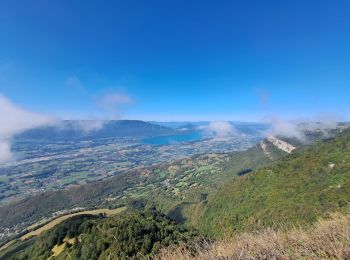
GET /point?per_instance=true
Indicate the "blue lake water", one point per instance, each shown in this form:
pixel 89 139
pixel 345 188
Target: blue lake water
pixel 171 139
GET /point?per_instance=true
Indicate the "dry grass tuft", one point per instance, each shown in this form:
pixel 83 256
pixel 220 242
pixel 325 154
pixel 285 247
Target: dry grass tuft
pixel 327 239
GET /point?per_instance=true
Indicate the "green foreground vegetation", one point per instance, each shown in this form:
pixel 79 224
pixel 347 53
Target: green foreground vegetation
pixel 131 234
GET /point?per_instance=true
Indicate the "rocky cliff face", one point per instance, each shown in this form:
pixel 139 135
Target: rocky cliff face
pixel 284 146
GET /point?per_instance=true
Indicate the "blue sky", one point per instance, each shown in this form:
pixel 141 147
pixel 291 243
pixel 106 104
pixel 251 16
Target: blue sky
pixel 176 60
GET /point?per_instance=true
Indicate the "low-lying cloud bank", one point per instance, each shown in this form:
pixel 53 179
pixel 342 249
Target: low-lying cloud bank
pixel 83 126
pixel 220 129
pixel 298 127
pixel 15 120
pixel 87 126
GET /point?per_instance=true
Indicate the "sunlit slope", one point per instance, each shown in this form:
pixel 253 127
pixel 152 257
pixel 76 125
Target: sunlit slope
pixel 295 189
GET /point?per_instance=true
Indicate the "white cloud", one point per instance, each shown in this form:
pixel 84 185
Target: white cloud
pixel 111 103
pixel 296 128
pixel 15 120
pixel 283 127
pixel 114 99
pixel 89 125
pixel 329 120
pixel 5 152
pixel 220 129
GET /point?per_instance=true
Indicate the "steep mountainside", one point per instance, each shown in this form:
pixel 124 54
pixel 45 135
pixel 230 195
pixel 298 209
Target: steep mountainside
pixel 298 188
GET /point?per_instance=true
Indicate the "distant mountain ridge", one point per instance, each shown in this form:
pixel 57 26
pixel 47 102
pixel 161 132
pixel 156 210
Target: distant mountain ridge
pixel 87 129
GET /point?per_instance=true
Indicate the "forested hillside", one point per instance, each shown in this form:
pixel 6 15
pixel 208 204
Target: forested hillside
pixel 132 234
pixel 296 189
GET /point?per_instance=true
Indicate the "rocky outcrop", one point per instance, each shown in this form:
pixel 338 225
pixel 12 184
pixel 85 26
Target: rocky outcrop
pixel 263 146
pixel 280 144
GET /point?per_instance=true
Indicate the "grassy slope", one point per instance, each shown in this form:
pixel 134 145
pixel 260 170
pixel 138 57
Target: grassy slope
pixel 296 189
pixel 327 239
